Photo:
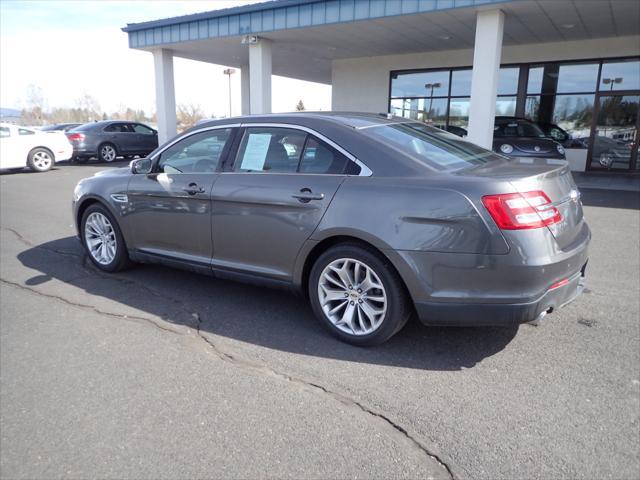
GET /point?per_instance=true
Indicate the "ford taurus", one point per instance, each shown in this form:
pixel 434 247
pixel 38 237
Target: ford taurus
pixel 371 217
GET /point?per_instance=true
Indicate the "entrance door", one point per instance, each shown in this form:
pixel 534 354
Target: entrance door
pixel 614 144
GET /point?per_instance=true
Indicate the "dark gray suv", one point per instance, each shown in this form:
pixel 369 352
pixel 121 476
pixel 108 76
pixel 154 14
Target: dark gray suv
pixel 372 218
pixel 110 139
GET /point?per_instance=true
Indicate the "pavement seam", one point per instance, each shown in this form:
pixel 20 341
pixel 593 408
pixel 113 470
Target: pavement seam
pixel 221 354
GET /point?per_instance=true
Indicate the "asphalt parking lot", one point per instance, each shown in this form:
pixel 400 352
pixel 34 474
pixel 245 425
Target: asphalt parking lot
pixel 158 373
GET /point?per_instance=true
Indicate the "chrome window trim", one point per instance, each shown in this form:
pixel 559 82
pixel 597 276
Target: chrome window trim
pixel 365 171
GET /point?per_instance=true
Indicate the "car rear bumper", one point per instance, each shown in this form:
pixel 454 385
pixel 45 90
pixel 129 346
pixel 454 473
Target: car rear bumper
pixel 500 314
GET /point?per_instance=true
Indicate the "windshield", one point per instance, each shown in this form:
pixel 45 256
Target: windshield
pixel 516 128
pixel 431 146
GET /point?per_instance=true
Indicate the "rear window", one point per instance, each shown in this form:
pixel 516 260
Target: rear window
pixel 431 146
pixel 85 127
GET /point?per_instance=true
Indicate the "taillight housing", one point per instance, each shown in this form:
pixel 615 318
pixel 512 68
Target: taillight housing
pixel 521 211
pixel 75 137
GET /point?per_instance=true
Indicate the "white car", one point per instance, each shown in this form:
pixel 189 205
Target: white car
pixel 26 147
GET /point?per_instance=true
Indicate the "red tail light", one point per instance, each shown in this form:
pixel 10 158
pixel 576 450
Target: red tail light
pixel 75 137
pixel 520 211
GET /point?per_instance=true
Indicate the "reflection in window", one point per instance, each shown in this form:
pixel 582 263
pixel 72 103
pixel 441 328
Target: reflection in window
pixel 428 110
pixel 532 108
pixel 461 83
pixel 574 113
pixel 420 84
pixel 459 112
pixel 506 106
pixel 577 78
pixel 508 81
pixel 624 75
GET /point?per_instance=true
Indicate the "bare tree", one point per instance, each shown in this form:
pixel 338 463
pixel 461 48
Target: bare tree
pixel 34 113
pixel 88 108
pixel 188 115
pixel 300 106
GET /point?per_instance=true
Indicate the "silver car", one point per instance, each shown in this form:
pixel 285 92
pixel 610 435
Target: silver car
pixel 372 218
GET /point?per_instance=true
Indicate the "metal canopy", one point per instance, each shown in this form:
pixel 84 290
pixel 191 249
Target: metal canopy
pixel 309 34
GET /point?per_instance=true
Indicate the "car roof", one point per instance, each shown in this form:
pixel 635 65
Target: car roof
pixel 349 119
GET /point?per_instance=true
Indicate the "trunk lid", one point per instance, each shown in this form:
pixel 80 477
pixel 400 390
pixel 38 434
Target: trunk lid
pixel 551 176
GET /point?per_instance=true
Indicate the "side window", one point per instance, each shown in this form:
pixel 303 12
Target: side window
pixel 5 132
pixel 141 129
pixel 266 149
pixel 319 157
pixel 118 128
pixel 24 131
pixel 198 153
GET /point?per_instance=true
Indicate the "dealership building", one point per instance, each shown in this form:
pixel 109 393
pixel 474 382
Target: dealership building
pixel 450 63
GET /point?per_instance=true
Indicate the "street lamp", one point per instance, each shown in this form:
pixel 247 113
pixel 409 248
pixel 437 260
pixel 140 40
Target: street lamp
pixel 229 72
pixel 431 86
pixel 611 81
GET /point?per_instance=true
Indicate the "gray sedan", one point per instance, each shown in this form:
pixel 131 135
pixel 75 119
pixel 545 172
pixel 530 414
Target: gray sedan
pixel 372 218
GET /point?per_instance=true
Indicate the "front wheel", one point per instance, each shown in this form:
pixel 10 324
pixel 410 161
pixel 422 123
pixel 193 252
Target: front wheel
pixel 40 160
pixel 357 295
pixel 107 153
pixel 103 239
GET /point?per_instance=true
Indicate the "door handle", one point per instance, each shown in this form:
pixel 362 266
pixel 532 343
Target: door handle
pixel 306 195
pixel 193 188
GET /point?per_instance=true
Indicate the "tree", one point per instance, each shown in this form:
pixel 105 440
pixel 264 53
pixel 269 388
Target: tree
pixel 88 108
pixel 300 106
pixel 34 114
pixel 188 115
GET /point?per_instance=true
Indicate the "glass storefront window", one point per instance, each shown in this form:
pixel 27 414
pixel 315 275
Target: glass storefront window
pixel 459 112
pixel 506 106
pixel 577 78
pixel 461 83
pixel 532 108
pixel 415 84
pixel 428 110
pixel 508 81
pixel 621 75
pixel 574 114
pixel 534 85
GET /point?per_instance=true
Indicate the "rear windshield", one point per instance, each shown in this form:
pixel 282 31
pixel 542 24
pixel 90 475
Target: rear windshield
pixel 84 128
pixel 431 146
pixel 517 128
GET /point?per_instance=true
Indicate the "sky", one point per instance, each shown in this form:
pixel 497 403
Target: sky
pixel 73 47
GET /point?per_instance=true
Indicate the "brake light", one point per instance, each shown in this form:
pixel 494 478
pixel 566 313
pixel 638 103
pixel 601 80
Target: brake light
pixel 520 211
pixel 561 283
pixel 76 137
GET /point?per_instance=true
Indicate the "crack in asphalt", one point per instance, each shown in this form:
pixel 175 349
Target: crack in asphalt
pixel 225 356
pixel 119 316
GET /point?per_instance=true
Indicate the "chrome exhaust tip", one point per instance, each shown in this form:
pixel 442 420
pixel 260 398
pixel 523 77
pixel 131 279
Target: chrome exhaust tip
pixel 538 320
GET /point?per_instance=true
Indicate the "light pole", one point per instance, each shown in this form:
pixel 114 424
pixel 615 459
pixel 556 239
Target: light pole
pixel 229 72
pixel 431 86
pixel 611 82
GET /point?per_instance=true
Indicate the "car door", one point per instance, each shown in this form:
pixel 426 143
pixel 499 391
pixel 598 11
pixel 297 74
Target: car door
pixel 170 207
pixel 146 138
pixel 11 153
pixel 121 136
pixel 270 201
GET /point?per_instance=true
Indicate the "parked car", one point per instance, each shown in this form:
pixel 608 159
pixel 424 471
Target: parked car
pixel 459 131
pixel 60 127
pixel 110 139
pixel 373 219
pixel 518 137
pixel 553 131
pixel 25 147
pixel 608 151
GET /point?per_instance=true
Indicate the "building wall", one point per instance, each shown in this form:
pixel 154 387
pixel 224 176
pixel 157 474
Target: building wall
pixel 362 84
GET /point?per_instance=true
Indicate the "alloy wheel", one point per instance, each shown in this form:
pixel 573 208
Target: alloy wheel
pixel 352 296
pixel 108 153
pixel 42 160
pixel 100 238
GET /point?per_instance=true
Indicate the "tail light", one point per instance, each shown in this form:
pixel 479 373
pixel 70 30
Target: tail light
pixel 76 137
pixel 520 211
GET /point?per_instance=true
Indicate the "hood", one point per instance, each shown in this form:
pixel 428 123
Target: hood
pixel 114 172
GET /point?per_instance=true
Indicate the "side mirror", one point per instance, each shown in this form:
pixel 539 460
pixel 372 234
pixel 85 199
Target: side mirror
pixel 141 165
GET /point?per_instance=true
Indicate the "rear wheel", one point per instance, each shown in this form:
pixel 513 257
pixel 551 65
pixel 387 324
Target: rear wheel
pixel 357 295
pixel 107 152
pixel 40 159
pixel 103 239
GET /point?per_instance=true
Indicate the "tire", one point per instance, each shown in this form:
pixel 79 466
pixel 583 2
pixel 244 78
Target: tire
pixel 364 329
pixel 107 152
pixel 103 227
pixel 40 159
